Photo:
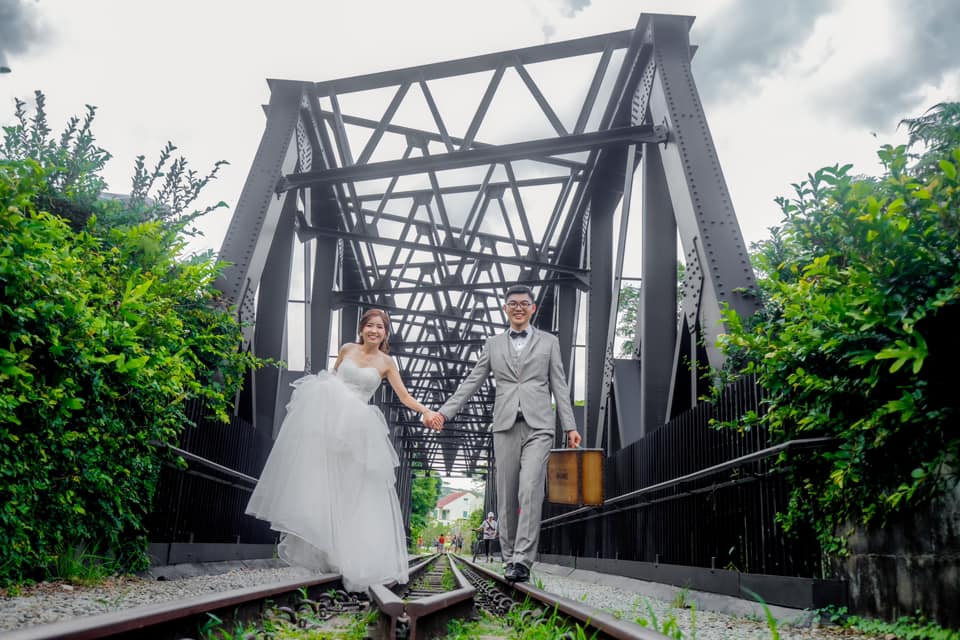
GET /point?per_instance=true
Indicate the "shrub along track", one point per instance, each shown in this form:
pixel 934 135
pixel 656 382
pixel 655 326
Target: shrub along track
pixel 441 589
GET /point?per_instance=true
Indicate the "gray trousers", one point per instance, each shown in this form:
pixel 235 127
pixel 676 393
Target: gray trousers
pixel 520 455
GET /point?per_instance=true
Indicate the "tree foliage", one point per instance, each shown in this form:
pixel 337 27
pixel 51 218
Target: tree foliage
pixel 75 190
pixel 106 333
pixel 857 337
pixel 423 499
pixel 629 305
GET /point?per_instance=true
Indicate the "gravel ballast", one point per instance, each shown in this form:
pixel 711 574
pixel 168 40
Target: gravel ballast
pixel 631 599
pixel 52 602
pixel 624 597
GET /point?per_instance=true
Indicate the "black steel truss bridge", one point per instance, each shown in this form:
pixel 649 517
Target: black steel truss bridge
pixel 426 191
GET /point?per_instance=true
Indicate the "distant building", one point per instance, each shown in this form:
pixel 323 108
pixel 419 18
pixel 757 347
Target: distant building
pixel 456 506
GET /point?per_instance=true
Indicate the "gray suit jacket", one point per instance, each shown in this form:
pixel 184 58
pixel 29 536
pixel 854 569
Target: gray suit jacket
pixel 523 387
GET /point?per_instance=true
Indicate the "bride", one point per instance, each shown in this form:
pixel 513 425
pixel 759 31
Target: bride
pixel 328 484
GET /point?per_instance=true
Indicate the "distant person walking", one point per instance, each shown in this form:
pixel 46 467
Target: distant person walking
pixel 488 533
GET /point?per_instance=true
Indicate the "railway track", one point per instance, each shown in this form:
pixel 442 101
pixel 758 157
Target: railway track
pixel 499 597
pixel 441 589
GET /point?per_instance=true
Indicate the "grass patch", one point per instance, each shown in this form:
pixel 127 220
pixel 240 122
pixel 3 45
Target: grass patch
pixel 915 627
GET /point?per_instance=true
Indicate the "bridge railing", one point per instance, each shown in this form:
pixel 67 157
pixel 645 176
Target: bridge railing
pixel 691 494
pixel 204 502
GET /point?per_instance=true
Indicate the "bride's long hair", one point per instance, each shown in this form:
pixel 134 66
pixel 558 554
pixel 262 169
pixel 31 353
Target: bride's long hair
pixel 365 318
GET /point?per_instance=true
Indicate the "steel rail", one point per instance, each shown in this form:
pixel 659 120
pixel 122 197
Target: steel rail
pixel 589 617
pixel 181 618
pixel 174 619
pixel 427 615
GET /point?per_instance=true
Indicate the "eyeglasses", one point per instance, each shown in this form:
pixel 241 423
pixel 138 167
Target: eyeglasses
pixel 513 304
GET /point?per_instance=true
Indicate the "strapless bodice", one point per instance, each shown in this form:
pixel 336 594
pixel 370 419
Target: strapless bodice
pixel 363 380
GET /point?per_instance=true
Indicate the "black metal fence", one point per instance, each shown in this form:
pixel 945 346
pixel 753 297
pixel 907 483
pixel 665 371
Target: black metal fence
pixel 205 501
pixel 722 519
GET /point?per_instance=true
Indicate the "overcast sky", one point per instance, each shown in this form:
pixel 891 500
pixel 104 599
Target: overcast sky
pixel 787 86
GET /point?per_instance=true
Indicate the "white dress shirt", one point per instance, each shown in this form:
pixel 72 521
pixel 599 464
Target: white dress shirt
pixel 519 344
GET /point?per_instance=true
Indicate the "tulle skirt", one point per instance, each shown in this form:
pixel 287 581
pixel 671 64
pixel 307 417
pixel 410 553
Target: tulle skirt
pixel 329 486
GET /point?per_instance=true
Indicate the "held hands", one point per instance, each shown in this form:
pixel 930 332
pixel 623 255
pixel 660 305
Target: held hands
pixel 433 420
pixel 573 439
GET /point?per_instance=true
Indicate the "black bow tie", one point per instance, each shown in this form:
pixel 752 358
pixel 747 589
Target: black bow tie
pixel 518 334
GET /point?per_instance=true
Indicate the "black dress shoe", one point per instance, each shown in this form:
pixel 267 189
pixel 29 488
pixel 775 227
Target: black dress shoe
pixel 520 572
pixel 510 573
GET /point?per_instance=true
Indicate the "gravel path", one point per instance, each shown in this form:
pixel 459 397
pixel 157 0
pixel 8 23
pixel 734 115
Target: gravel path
pixel 50 602
pixel 631 604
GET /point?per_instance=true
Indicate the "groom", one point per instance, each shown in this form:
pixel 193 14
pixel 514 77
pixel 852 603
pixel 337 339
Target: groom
pixel 526 366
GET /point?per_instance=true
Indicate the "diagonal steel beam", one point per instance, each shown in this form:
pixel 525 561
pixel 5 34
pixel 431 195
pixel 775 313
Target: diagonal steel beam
pixel 481 112
pixel 426 344
pixel 467 188
pixel 541 100
pixel 401 311
pixel 592 92
pixel 311 231
pixel 382 125
pixel 422 135
pixel 476 157
pixel 427 356
pixel 501 285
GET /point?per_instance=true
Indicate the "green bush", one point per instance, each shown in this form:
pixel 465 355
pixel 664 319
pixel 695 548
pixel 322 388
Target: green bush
pixel 105 333
pixel 857 337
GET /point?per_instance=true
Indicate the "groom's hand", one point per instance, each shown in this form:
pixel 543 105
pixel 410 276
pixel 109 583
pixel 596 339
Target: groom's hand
pixel 573 439
pixel 433 420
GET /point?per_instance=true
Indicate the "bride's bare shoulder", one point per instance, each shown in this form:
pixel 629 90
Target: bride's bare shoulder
pixel 386 362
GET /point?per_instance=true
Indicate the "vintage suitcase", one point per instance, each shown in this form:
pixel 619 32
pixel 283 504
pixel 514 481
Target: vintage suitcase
pixel 575 476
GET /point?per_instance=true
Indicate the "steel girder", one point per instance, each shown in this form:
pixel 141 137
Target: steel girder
pixel 684 190
pixel 687 178
pixel 420 213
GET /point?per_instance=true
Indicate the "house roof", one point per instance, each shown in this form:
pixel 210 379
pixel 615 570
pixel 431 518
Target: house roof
pixel 445 500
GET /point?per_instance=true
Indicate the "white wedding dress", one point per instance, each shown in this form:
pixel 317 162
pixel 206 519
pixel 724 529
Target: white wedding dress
pixel 329 485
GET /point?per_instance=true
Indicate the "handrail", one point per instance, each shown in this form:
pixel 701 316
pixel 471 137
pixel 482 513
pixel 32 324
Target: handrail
pixel 192 457
pixel 803 443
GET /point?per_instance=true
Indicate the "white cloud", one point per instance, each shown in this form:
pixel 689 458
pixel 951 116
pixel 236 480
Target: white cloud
pixel 787 87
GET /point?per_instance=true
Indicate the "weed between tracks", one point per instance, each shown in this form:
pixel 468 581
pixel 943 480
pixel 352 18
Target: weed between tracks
pixel 531 622
pixel 485 626
pixel 288 623
pixel 448 581
pixel 525 622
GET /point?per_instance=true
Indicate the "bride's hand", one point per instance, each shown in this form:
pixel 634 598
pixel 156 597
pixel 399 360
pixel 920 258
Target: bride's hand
pixel 427 418
pixel 430 419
